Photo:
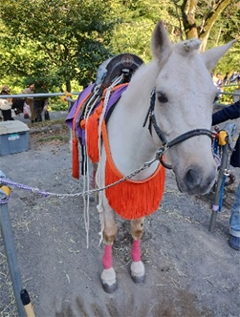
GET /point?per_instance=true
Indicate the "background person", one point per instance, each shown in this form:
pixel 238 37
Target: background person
pixel 235 77
pixel 30 101
pixel 219 80
pixel 232 112
pixel 226 79
pixel 39 102
pixel 6 104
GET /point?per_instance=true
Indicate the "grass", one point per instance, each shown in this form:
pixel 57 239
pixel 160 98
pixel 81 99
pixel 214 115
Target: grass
pixel 49 131
pixel 47 123
pixel 54 138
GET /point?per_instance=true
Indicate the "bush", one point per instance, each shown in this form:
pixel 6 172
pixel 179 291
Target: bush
pixel 227 99
pixel 56 104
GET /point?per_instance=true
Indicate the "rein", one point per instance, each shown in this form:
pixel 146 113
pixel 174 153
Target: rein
pixel 165 144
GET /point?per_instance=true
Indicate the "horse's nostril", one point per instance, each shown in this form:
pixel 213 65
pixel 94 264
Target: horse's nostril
pixel 195 181
pixel 192 178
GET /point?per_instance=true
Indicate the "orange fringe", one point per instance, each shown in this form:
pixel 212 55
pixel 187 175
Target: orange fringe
pixel 75 159
pixel 132 199
pixel 91 125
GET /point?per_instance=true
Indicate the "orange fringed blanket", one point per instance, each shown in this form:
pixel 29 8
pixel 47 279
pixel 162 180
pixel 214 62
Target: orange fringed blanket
pixel 132 199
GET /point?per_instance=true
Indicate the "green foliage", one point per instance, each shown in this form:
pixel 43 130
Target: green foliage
pixel 136 22
pixel 226 28
pixel 228 99
pixel 63 42
pixel 62 39
pixel 55 104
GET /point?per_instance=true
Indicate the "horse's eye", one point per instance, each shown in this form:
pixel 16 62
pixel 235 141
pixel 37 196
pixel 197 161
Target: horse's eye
pixel 162 97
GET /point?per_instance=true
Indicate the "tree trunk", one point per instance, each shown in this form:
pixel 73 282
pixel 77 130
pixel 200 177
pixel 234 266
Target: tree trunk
pixel 216 11
pixel 68 86
pixel 188 9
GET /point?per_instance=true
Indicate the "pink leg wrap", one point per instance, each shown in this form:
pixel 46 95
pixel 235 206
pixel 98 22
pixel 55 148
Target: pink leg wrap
pixel 107 257
pixel 136 252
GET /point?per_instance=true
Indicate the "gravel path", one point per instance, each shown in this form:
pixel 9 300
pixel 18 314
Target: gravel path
pixel 189 271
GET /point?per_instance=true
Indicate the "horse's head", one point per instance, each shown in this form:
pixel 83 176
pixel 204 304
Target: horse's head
pixel 184 101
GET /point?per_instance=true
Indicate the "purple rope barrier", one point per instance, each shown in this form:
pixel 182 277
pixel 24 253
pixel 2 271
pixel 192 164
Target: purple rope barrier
pixel 4 200
pixel 25 187
pixel 9 183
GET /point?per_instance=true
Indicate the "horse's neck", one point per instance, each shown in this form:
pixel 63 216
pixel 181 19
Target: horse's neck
pixel 131 144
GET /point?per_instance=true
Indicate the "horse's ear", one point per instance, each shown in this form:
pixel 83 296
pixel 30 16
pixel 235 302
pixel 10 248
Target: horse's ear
pixel 212 56
pixel 161 46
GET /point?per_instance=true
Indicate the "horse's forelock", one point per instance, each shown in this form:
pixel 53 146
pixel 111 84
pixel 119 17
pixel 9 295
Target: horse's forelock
pixel 192 44
pixel 188 46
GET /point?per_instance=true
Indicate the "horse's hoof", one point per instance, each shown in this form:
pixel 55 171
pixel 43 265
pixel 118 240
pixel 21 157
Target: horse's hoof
pixel 109 282
pixel 138 279
pixel 137 272
pixel 109 288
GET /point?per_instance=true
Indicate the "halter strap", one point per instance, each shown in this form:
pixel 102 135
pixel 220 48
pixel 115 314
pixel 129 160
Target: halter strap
pixel 165 144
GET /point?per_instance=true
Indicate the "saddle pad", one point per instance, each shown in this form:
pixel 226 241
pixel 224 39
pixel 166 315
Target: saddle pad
pixel 80 132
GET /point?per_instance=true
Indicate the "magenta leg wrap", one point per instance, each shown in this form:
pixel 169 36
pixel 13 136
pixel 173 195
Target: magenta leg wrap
pixel 136 252
pixel 107 257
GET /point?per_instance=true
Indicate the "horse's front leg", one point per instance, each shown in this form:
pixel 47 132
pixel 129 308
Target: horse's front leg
pixel 137 267
pixel 108 275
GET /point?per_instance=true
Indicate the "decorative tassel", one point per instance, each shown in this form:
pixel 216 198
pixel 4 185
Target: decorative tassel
pixel 92 134
pixel 91 125
pixel 92 138
pixel 75 158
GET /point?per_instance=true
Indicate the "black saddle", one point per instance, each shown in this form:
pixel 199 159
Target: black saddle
pixel 109 70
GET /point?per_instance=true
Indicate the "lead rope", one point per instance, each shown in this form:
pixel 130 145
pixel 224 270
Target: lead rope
pixel 86 182
pixel 86 200
pixel 101 118
pixel 86 179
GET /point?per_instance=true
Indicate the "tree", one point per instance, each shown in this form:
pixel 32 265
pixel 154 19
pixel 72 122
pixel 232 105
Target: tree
pixel 67 38
pixel 184 19
pixel 136 20
pixel 199 17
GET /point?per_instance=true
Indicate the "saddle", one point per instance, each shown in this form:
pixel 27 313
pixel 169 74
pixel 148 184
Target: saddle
pixel 113 76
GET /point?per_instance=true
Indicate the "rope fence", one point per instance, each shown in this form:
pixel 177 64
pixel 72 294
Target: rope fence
pixel 36 95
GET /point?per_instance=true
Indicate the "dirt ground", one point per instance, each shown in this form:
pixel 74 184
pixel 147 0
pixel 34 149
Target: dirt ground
pixel 189 271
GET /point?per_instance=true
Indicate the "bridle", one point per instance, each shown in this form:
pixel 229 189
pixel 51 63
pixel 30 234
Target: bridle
pixel 165 144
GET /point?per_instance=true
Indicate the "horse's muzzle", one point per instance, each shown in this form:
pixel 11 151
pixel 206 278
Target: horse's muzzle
pixel 195 181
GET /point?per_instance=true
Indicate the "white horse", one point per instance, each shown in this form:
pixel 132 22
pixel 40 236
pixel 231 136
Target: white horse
pixel 174 94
